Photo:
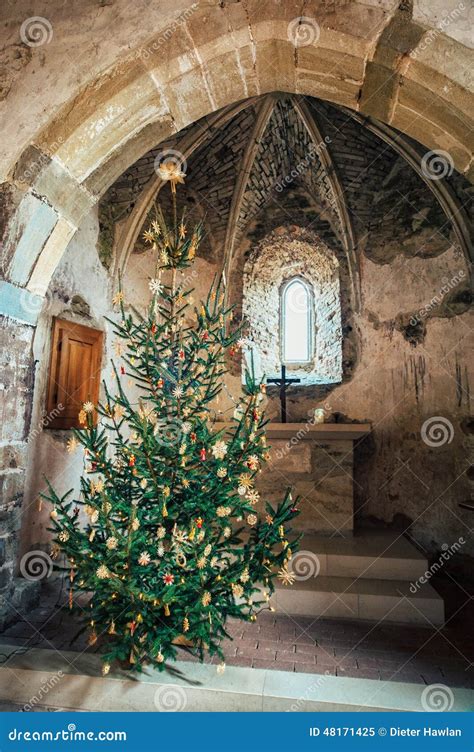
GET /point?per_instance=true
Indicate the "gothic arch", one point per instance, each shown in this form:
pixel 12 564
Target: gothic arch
pixel 360 58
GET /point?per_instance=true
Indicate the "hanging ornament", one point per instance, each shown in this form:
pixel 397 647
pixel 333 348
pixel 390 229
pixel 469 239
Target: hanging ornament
pixel 171 172
pixel 202 454
pixel 92 638
pixel 181 559
pixel 160 383
pixel 181 355
pixel 199 522
pixel 72 445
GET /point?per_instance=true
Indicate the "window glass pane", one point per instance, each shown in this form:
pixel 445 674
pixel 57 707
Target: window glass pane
pixel 296 322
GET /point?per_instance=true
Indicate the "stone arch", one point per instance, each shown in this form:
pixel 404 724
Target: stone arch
pixel 370 59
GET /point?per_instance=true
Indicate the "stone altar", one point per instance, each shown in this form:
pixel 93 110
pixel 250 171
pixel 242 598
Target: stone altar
pixel 317 462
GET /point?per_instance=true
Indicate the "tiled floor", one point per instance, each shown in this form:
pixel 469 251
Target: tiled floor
pixel 317 646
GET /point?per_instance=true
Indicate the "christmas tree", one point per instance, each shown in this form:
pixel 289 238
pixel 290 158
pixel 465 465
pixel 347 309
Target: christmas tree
pixel 171 544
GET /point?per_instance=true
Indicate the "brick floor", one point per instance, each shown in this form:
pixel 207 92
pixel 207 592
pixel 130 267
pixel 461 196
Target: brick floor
pixel 278 641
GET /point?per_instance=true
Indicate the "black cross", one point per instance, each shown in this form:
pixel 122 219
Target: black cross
pixel 283 382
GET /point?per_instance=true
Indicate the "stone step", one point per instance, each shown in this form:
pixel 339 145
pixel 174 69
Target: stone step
pixel 367 555
pixel 361 599
pixel 196 687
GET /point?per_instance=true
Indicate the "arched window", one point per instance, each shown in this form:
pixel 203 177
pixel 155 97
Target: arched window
pixel 296 321
pixel 292 303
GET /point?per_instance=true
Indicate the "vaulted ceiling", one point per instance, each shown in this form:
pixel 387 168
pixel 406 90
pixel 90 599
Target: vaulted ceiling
pixel 365 187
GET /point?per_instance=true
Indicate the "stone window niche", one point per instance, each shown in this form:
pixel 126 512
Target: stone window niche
pixel 283 271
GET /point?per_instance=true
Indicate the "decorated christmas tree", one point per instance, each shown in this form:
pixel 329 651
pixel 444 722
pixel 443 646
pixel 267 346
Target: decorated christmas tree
pixel 171 543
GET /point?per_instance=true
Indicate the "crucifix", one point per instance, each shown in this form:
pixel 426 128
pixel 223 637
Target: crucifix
pixel 283 382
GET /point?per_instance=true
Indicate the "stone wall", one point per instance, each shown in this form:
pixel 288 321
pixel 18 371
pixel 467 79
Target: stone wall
pixel 416 466
pixel 80 291
pixel 17 384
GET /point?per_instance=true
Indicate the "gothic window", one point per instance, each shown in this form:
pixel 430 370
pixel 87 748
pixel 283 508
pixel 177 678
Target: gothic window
pixel 296 322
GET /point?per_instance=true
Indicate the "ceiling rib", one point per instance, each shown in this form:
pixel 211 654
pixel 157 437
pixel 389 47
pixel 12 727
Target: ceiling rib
pixel 311 124
pixel 192 141
pixel 264 114
pixel 440 188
